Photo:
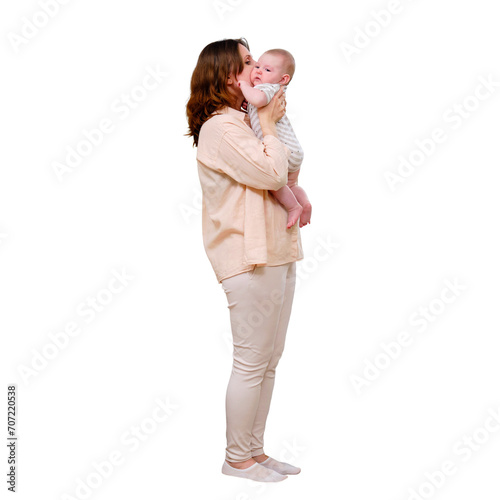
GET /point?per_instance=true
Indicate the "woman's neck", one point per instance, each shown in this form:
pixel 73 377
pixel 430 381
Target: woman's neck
pixel 236 104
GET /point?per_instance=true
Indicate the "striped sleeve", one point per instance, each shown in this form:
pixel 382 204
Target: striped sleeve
pixel 269 89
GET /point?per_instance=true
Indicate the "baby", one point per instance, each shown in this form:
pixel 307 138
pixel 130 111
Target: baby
pixel 274 68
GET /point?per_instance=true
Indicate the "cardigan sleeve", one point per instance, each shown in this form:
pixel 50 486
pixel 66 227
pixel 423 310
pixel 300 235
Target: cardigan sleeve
pixel 257 164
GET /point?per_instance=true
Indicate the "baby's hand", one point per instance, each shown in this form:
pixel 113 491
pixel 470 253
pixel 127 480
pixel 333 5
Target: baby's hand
pixel 242 83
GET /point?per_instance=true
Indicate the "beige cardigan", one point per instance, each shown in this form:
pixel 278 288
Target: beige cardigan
pixel 243 224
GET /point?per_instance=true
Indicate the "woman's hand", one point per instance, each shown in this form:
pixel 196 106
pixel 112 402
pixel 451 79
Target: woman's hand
pixel 272 113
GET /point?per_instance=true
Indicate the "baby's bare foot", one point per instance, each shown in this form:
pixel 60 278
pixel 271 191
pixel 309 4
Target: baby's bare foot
pixel 305 216
pixel 293 216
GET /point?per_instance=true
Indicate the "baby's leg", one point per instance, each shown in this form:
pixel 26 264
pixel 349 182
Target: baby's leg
pixel 286 197
pixel 301 197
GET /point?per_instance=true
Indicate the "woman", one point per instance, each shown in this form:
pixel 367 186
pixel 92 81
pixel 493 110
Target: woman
pixel 252 255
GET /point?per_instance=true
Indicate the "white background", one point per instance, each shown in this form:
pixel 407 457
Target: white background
pixel 133 206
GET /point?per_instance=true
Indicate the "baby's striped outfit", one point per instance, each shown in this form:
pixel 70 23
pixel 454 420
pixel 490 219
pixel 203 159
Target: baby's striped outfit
pixel 283 128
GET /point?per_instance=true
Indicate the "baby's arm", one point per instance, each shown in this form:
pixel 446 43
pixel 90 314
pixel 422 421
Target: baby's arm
pixel 254 96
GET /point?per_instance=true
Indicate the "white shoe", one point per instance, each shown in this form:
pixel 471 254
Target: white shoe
pixel 256 472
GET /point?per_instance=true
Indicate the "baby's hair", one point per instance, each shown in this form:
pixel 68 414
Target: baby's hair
pixel 288 60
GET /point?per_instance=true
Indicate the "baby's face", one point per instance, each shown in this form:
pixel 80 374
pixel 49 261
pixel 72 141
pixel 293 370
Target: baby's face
pixel 268 69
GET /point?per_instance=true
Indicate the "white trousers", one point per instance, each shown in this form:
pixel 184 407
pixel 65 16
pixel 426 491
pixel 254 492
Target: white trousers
pixel 260 303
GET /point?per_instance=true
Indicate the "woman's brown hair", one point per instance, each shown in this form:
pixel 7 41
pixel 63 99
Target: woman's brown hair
pixel 209 90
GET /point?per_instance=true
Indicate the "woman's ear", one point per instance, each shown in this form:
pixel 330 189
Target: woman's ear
pixel 285 79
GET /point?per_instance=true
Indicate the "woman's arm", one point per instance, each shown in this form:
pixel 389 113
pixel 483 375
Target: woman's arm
pixel 246 159
pixel 231 147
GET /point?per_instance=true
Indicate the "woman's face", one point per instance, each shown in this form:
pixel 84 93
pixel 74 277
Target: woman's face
pixel 248 64
pixel 244 76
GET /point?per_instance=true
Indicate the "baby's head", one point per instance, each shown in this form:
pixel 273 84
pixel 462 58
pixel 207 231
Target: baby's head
pixel 274 66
